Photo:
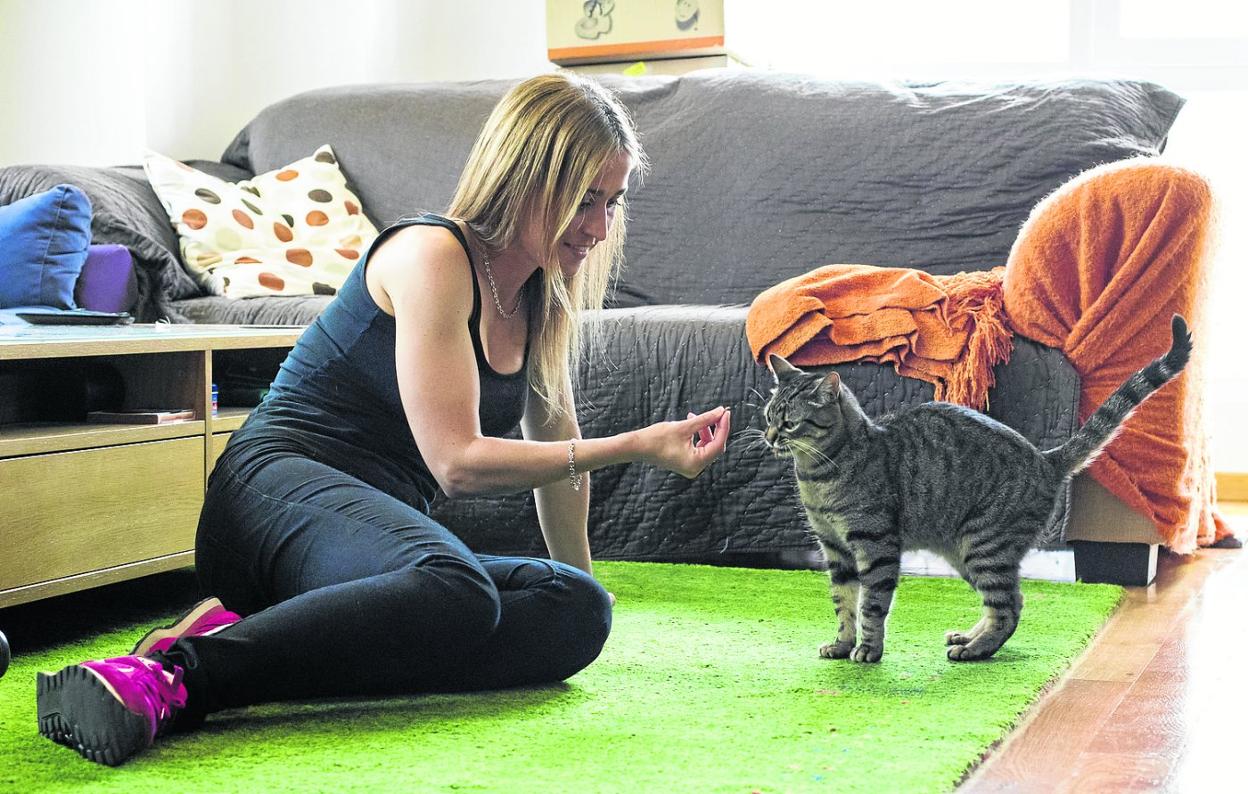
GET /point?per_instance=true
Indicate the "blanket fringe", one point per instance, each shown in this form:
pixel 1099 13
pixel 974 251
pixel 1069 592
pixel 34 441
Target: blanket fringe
pixel 976 298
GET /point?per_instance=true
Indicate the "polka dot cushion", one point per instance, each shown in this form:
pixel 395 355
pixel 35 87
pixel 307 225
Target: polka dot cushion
pixel 296 230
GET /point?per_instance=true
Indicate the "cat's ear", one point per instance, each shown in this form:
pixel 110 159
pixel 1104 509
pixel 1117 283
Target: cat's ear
pixel 781 368
pixel 830 386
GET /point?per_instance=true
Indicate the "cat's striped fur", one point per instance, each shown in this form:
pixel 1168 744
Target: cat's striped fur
pixel 935 476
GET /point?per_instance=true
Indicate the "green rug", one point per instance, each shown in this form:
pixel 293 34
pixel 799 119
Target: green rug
pixel 711 681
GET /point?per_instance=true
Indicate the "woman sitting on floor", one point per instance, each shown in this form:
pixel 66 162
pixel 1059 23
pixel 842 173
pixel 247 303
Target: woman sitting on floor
pixel 315 528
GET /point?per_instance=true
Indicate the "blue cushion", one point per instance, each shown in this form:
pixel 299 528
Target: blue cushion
pixel 43 245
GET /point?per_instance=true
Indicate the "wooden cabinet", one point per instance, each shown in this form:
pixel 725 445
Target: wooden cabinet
pixel 84 503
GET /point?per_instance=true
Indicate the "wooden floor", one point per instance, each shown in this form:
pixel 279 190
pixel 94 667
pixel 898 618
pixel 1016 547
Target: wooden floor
pixel 1158 702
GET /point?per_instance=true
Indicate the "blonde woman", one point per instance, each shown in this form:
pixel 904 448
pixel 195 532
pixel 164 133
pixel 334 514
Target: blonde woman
pixel 329 576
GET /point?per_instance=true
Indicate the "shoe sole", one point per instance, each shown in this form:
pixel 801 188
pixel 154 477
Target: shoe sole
pixel 177 629
pixel 80 711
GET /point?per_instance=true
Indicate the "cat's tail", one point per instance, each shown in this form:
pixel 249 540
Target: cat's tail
pixel 1101 427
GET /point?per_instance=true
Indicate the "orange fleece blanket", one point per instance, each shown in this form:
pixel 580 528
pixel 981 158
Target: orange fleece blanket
pixel 1097 271
pixel 947 330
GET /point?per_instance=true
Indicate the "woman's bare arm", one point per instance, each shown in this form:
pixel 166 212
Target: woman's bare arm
pixel 423 273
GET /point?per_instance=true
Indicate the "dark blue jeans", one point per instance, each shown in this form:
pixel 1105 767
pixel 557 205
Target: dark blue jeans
pixel 348 591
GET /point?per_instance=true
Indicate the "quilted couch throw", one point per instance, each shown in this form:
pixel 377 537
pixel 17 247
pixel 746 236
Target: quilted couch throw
pixel 1097 270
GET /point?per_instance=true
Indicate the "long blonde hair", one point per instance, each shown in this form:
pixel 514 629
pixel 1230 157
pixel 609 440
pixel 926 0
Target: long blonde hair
pixel 541 149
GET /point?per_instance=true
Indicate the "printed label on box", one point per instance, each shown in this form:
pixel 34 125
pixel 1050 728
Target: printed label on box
pixel 588 31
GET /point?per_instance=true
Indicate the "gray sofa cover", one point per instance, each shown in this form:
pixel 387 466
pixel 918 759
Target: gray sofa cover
pixel 755 177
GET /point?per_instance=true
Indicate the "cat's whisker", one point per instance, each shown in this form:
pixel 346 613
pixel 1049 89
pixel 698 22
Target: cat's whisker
pixel 810 449
pixel 750 435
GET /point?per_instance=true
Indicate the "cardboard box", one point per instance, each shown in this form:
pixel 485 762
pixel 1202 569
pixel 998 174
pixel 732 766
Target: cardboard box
pixel 665 66
pixel 605 31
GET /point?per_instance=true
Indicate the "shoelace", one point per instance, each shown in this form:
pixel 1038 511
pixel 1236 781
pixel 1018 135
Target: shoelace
pixel 161 692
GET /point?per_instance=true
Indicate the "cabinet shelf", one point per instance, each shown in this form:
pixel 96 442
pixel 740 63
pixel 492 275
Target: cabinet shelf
pixel 229 418
pixel 34 438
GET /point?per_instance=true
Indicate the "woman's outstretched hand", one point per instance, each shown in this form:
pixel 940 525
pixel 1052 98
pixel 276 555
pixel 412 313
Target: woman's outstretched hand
pixel 690 445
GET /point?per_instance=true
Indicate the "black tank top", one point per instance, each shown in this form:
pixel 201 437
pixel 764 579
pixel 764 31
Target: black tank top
pixel 336 397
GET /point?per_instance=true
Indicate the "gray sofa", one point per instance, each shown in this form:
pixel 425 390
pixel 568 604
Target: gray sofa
pixel 756 177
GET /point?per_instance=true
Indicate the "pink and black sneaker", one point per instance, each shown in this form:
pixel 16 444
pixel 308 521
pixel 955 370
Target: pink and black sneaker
pixel 207 617
pixel 109 709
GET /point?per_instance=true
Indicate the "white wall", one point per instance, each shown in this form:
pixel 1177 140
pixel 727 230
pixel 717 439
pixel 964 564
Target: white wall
pixel 97 82
pixel 1208 137
pixel 70 82
pixel 94 83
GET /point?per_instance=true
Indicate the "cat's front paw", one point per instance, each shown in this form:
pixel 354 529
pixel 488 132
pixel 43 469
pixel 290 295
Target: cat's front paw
pixel 836 650
pixel 968 653
pixel 867 653
pixel 957 638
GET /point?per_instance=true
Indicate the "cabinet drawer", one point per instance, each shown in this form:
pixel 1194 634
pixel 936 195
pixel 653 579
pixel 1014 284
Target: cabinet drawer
pixel 71 512
pixel 218 443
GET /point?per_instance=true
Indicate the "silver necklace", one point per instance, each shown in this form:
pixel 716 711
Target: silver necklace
pixel 498 304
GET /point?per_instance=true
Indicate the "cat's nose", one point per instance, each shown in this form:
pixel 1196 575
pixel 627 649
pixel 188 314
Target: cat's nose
pixel 771 435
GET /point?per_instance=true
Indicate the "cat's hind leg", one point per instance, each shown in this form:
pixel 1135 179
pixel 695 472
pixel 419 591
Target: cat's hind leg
pixel 843 582
pixel 962 637
pixel 997 584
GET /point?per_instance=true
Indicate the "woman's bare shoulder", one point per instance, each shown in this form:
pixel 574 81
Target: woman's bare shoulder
pixel 420 243
pixel 426 257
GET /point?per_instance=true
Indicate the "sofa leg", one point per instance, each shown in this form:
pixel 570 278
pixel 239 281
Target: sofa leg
pixel 1132 564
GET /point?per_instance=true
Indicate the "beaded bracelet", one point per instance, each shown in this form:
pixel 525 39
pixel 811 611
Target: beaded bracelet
pixel 574 479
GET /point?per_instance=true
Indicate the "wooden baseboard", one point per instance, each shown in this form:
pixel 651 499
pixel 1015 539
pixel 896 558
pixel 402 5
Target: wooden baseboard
pixel 1232 486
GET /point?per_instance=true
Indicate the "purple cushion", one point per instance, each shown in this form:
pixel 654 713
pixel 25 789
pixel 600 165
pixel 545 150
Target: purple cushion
pixel 107 282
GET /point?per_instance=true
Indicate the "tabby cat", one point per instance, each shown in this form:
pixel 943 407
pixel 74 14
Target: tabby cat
pixel 935 476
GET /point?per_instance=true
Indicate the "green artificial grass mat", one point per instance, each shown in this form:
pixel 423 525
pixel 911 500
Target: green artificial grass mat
pixel 711 681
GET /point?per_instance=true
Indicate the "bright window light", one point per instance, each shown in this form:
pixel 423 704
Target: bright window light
pixel 846 38
pixel 1191 19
